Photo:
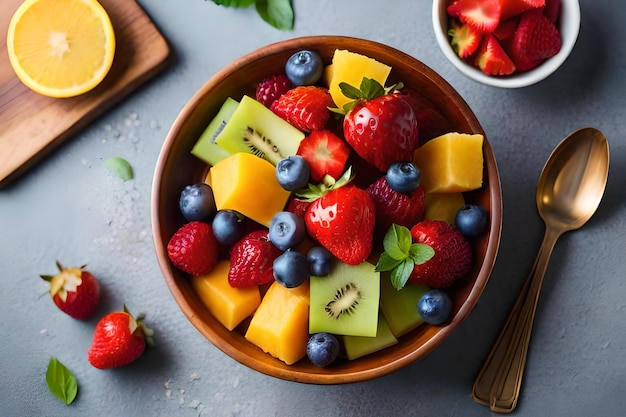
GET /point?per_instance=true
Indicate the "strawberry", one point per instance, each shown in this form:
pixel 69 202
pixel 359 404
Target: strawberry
pixel 393 207
pixel 193 248
pixel 268 90
pixel 452 258
pixel 342 219
pixel 304 107
pixel 118 340
pixel 379 124
pixel 510 8
pixel 465 39
pixel 553 10
pixel 429 119
pixel 297 206
pixel 326 154
pixel 492 59
pixel 505 30
pixel 74 291
pixel 482 15
pixel 251 260
pixel 535 39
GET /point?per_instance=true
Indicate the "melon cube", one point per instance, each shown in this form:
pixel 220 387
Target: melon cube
pixel 400 306
pixel 359 346
pixel 442 206
pixel 451 163
pixel 280 325
pixel 247 184
pixel 230 306
pixel 350 67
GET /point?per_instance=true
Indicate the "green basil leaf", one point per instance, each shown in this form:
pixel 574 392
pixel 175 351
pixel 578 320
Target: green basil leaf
pixel 120 167
pixel 61 382
pixel 421 253
pixel 400 275
pixel 278 13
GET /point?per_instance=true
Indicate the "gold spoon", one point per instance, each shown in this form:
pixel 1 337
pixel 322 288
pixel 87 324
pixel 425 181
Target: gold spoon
pixel 568 193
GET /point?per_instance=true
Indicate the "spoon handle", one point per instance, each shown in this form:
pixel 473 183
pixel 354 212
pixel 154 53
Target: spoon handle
pixel 499 380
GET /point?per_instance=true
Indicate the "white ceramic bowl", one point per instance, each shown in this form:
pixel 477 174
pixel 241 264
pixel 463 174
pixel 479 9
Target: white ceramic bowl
pixel 569 27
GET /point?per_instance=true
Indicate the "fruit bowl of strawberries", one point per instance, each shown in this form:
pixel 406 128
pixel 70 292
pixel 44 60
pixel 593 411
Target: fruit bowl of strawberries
pixel 506 43
pixel 326 210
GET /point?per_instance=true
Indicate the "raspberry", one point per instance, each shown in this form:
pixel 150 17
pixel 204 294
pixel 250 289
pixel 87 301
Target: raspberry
pixel 268 90
pixel 193 248
pixel 392 207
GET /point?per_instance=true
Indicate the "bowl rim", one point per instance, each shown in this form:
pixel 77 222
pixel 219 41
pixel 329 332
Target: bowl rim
pixel 289 373
pixel 570 28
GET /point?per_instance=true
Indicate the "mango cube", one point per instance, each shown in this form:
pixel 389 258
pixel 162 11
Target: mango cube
pixel 247 184
pixel 280 325
pixel 451 163
pixel 230 306
pixel 442 206
pixel 350 67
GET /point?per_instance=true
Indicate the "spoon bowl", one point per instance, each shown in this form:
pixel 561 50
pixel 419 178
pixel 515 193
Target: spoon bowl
pixel 573 179
pixel 569 191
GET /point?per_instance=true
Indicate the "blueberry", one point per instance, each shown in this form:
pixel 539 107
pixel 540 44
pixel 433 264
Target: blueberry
pixel 320 261
pixel 403 177
pixel 197 203
pixel 291 269
pixel 434 306
pixel 228 226
pixel 304 68
pixel 293 172
pixel 286 230
pixel 471 220
pixel 322 349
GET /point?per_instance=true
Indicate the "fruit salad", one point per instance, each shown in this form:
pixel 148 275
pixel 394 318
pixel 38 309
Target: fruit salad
pixel 503 37
pixel 332 219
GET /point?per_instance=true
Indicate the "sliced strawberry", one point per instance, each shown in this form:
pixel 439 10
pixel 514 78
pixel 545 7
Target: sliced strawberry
pixel 305 107
pixel 325 152
pixel 553 10
pixel 483 15
pixel 268 90
pixel 535 39
pixel 491 58
pixel 393 207
pixel 343 222
pixel 194 248
pixel 505 30
pixel 251 260
pixel 452 258
pixel 465 39
pixel 510 8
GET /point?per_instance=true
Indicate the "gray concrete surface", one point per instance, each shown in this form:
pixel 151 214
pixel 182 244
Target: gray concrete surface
pixel 70 208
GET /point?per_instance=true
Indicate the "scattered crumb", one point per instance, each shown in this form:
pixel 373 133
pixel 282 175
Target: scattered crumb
pixel 194 376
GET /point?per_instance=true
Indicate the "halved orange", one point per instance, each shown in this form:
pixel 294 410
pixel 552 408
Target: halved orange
pixel 61 48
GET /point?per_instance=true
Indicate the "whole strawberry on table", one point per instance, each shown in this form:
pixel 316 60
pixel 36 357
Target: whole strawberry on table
pixel 333 210
pixel 503 37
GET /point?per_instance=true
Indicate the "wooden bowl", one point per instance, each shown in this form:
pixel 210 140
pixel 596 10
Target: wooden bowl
pixel 176 168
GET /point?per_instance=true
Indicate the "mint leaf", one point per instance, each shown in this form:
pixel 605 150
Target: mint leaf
pixel 120 167
pixel 241 4
pixel 420 253
pixel 401 255
pixel 61 382
pixel 278 13
pixel 387 263
pixel 400 275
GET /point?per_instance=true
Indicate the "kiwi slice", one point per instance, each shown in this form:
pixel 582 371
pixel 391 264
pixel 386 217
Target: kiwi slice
pixel 358 346
pixel 400 307
pixel 206 148
pixel 346 301
pixel 255 129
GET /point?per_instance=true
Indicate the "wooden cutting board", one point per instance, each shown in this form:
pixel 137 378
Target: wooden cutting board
pixel 31 125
